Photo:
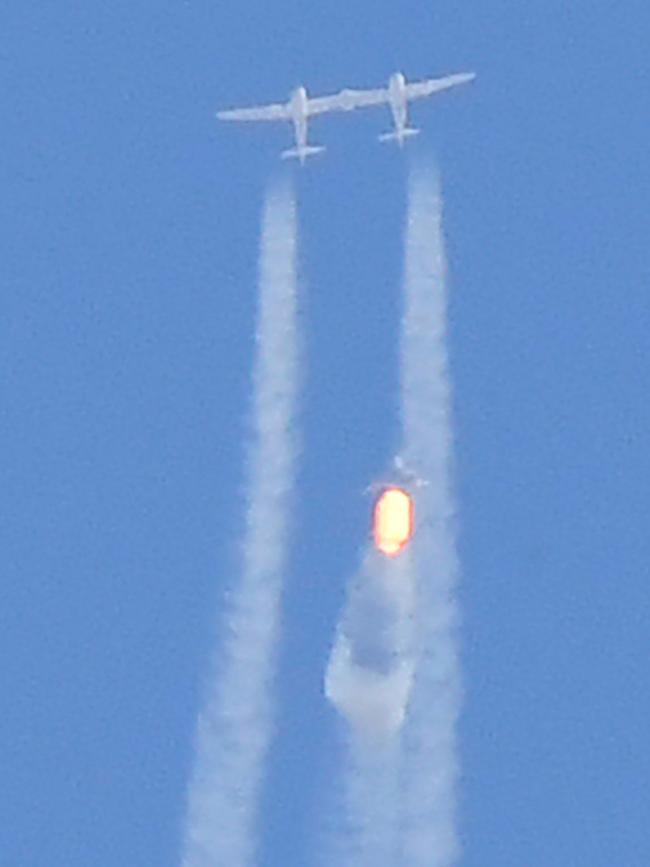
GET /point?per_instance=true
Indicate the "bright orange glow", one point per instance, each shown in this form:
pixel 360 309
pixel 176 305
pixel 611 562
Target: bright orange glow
pixel 393 521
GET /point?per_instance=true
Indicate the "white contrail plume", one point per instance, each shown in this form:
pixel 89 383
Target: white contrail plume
pixel 394 672
pixel 371 666
pixel 430 757
pixel 368 680
pixel 235 727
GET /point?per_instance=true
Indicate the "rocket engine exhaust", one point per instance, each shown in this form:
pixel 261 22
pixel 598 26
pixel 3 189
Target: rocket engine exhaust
pixel 393 521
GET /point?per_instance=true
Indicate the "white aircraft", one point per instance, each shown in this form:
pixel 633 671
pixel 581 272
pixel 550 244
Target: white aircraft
pixel 297 110
pixel 397 96
pixel 301 107
pixel 400 475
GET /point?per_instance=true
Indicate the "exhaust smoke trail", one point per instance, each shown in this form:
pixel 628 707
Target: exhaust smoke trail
pixel 430 755
pixel 393 672
pixel 368 680
pixel 235 726
pixel 370 670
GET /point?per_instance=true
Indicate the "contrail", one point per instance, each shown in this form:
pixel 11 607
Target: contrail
pixel 430 757
pixel 393 672
pixel 369 679
pixel 236 725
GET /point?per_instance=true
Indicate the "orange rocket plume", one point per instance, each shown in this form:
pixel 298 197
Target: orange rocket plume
pixel 393 521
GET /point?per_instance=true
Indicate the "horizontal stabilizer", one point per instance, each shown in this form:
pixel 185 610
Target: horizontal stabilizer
pixel 399 135
pixel 302 153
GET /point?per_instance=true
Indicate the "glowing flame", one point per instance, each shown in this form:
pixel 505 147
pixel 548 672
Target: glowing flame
pixel 393 521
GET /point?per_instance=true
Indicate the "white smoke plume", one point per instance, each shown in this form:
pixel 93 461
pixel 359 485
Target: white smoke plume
pixel 236 725
pixel 430 768
pixel 368 680
pixel 371 667
pixel 393 673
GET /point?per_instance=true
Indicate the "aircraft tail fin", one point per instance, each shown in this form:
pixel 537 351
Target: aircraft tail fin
pixel 301 154
pixel 399 135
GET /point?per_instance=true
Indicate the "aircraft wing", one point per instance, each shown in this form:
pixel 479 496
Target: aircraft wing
pixel 432 85
pixel 347 100
pixel 262 112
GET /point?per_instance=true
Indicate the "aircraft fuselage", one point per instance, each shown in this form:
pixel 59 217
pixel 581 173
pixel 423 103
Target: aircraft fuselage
pixel 398 103
pixel 299 113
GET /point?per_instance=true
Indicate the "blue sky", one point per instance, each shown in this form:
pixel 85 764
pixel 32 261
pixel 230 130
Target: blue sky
pixel 130 224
